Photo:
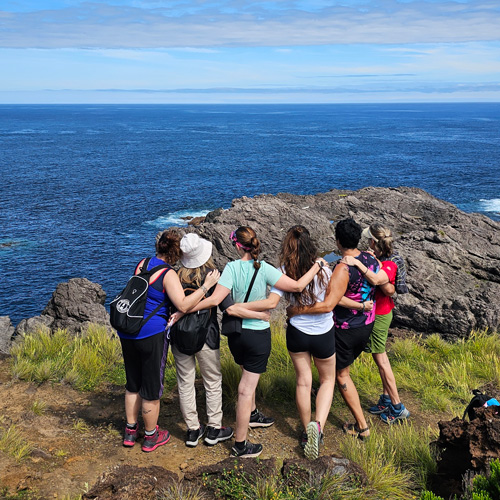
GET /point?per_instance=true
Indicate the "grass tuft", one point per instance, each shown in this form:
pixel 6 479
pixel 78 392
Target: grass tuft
pixel 13 443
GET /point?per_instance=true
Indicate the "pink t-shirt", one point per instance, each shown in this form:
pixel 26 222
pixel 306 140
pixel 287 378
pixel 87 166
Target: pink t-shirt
pixel 383 303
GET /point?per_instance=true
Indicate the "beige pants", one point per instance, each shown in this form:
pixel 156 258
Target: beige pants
pixel 209 363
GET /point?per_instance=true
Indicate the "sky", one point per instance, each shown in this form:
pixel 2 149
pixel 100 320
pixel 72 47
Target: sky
pixel 243 51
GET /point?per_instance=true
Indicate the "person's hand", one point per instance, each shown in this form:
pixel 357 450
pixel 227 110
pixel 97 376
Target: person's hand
pixel 211 279
pixel 265 315
pixel 292 311
pixel 174 318
pixel 349 260
pixel 368 305
pixel 325 262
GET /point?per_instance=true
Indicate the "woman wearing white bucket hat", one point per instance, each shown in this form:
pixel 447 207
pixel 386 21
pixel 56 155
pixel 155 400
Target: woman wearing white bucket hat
pixel 196 337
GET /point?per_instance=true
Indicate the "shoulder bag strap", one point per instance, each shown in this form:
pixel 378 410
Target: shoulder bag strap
pixel 251 284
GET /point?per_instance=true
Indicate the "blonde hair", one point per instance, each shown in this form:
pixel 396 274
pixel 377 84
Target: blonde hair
pixel 195 276
pixel 382 236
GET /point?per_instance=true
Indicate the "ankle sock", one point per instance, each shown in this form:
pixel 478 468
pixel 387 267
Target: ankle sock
pixel 240 445
pixel 132 426
pixel 150 433
pixel 397 407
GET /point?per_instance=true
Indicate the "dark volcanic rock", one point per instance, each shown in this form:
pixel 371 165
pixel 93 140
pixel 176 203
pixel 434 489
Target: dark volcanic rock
pixel 467 446
pixel 453 258
pixel 128 482
pixel 6 332
pixel 74 305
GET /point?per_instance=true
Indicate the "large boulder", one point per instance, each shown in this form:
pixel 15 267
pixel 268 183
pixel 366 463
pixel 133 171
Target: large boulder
pixel 6 332
pixel 74 305
pixel 453 257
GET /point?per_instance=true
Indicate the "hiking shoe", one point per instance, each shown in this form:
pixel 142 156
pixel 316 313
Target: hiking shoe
pixel 394 415
pixel 303 439
pixel 382 406
pixel 257 419
pixel 314 439
pixel 215 436
pixel 250 450
pixel 192 437
pixel 159 438
pixel 130 436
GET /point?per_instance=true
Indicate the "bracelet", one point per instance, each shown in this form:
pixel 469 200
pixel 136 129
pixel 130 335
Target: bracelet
pixel 364 273
pixel 204 288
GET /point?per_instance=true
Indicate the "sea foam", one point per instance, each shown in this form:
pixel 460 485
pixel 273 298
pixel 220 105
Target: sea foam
pixel 492 205
pixel 175 219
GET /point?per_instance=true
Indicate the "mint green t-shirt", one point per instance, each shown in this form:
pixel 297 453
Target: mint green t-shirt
pixel 237 276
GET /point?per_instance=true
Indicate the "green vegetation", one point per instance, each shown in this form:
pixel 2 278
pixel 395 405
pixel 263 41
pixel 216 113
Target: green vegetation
pixel 85 362
pixel 236 484
pixel 13 443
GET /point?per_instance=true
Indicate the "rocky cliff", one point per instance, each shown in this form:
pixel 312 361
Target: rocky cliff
pixel 453 258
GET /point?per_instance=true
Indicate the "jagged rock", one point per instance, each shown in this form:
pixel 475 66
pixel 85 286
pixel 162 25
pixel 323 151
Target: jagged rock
pixel 74 305
pixel 467 446
pixel 298 471
pixel 453 258
pixel 32 324
pixel 6 332
pixel 128 482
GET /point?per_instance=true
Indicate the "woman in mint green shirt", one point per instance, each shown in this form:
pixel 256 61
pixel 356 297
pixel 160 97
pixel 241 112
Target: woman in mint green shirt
pixel 252 347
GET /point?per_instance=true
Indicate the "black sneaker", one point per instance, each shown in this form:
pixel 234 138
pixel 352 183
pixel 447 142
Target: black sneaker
pixel 257 419
pixel 250 450
pixel 215 436
pixel 192 437
pixel 130 436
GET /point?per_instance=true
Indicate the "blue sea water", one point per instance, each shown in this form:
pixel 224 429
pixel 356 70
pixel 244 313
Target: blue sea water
pixel 84 189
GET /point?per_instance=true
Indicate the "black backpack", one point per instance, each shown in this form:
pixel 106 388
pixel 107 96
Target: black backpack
pixel 476 402
pixel 189 334
pixel 126 311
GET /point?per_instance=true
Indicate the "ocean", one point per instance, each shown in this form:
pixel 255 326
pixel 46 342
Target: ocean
pixel 85 188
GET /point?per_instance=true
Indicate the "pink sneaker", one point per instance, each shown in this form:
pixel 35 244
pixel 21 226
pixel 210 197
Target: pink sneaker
pixel 159 438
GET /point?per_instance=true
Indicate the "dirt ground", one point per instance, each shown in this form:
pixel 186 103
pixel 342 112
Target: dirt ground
pixel 78 436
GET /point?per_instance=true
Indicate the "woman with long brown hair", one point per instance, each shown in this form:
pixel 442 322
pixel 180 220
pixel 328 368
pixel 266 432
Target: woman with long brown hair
pixel 251 347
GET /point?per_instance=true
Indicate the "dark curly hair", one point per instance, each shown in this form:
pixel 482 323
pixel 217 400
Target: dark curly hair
pixel 168 246
pixel 348 233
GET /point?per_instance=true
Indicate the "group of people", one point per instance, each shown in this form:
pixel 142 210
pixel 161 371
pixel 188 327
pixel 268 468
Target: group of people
pixel 333 315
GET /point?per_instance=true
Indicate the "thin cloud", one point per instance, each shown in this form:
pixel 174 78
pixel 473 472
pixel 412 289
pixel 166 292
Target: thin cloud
pixel 237 24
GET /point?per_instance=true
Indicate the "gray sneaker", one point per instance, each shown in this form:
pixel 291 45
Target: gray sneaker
pixel 314 439
pixel 192 437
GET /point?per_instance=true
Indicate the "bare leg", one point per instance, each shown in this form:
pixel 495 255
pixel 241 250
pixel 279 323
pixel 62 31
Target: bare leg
pixel 246 399
pixel 351 397
pixel 302 364
pixel 326 370
pixel 387 376
pixel 133 403
pixel 150 412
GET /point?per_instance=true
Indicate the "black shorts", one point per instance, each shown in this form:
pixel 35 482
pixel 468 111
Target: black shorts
pixel 350 344
pixel 251 349
pixel 145 361
pixel 319 346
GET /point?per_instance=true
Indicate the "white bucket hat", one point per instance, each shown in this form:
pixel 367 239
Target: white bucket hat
pixel 367 234
pixel 195 250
